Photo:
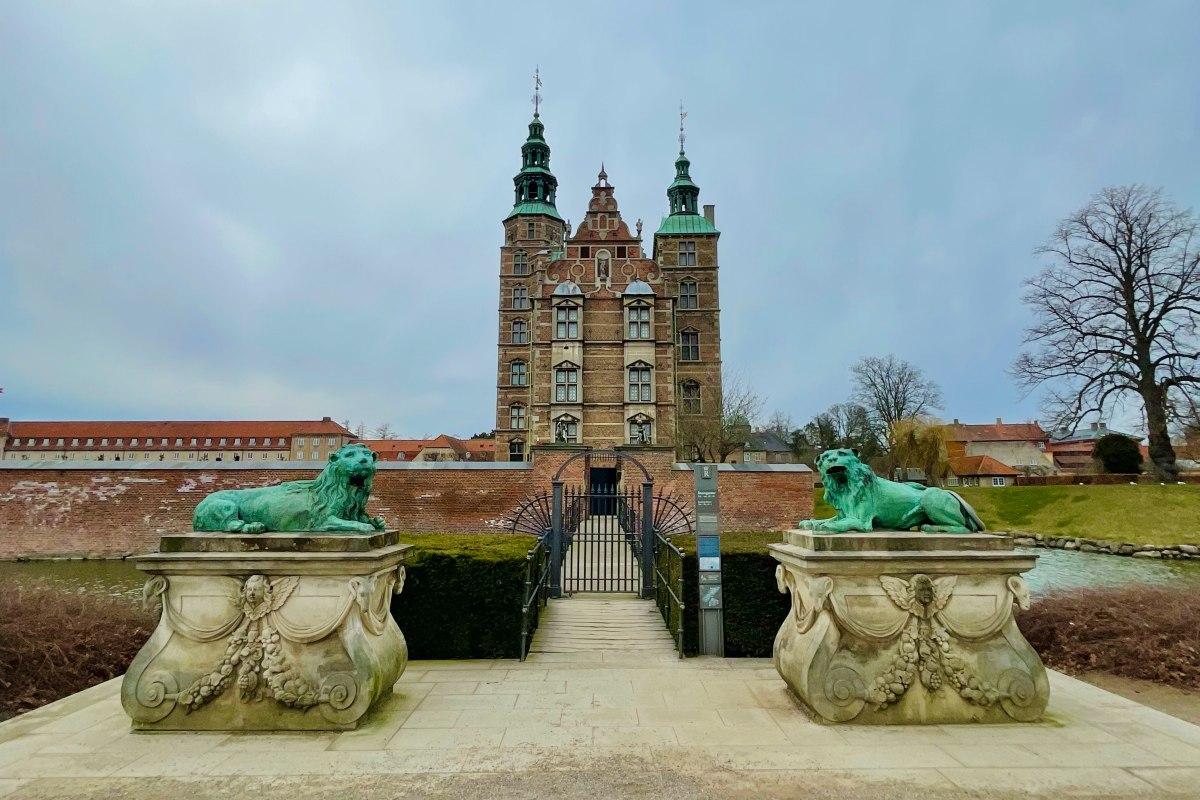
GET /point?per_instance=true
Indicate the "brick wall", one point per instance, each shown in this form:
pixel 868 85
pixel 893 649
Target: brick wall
pixel 123 509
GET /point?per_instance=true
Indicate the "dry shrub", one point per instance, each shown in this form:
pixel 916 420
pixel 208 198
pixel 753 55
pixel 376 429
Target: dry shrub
pixel 1135 631
pixel 54 643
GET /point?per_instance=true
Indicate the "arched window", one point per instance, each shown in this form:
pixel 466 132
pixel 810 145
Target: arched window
pixel 689 294
pixel 516 450
pixel 566 383
pixel 637 321
pixel 520 331
pixel 689 397
pixel 516 417
pixel 640 382
pixel 518 373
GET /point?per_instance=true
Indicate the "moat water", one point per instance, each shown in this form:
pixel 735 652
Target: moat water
pixel 1055 570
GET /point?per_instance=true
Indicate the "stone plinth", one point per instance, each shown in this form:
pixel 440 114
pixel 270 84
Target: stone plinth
pixel 279 631
pixel 907 628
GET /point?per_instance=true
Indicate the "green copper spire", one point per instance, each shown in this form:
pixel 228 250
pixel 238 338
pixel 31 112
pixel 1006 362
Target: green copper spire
pixel 535 186
pixel 684 195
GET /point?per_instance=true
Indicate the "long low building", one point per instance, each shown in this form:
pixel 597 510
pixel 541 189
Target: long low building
pixel 172 440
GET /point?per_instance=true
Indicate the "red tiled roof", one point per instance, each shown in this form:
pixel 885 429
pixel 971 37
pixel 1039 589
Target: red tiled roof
pixel 985 466
pixel 998 432
pixel 186 430
pixel 471 448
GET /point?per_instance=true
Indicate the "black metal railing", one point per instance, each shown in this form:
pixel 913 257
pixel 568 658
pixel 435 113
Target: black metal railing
pixel 537 591
pixel 668 587
pixel 601 530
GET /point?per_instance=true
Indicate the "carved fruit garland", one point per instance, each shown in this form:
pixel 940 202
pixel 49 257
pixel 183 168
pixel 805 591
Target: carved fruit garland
pixel 255 656
pixel 925 646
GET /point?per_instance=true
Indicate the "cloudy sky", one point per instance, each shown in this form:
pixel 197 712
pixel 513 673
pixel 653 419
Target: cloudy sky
pixel 291 210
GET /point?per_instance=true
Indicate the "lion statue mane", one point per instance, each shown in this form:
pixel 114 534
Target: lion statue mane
pixel 336 500
pixel 865 502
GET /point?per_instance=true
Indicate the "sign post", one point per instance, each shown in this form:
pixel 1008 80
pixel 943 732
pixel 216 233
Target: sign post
pixel 708 554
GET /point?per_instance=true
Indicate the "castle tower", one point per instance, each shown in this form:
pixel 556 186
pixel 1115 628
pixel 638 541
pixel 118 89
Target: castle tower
pixel 685 249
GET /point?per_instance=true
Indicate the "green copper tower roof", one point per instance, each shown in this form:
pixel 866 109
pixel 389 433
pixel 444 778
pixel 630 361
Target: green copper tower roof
pixel 683 195
pixel 535 185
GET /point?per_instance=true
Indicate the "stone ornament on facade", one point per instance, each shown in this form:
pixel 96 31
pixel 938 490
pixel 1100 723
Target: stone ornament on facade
pixel 883 632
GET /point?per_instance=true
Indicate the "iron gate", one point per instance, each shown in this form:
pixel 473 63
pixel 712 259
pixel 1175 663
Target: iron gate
pixel 601 540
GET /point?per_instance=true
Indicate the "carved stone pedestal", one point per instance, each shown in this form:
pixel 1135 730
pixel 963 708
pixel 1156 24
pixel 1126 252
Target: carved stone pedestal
pixel 904 628
pixel 272 631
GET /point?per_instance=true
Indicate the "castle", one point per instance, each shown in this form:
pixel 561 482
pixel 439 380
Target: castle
pixel 599 344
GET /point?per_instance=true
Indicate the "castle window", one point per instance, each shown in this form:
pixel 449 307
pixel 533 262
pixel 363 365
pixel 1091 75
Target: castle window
pixel 518 373
pixel 585 252
pixel 637 317
pixel 641 430
pixel 689 294
pixel 516 450
pixel 640 384
pixel 520 263
pixel 622 251
pixel 516 416
pixel 566 429
pixel 687 254
pixel 689 393
pixel 531 229
pixel 520 331
pixel 566 322
pixel 689 346
pixel 566 384
pixel 520 298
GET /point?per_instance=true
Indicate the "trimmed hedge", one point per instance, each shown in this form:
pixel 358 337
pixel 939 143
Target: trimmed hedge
pixel 754 609
pixel 462 595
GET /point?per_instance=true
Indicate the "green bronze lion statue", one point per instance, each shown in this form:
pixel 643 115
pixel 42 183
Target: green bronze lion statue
pixel 866 502
pixel 336 500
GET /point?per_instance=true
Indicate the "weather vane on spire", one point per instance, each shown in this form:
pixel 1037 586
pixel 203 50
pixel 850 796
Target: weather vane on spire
pixel 682 117
pixel 537 90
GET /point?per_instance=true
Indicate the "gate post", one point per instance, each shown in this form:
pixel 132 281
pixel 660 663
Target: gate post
pixel 556 540
pixel 647 539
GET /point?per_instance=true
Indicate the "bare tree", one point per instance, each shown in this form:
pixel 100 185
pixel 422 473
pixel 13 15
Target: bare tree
pixel 893 390
pixel 844 425
pixel 712 438
pixel 360 430
pixel 921 443
pixel 1116 315
pixel 383 430
pixel 781 423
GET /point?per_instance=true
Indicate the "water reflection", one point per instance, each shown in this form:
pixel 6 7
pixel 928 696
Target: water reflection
pixel 1055 570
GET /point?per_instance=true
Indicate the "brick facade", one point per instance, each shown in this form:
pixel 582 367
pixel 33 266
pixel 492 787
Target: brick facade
pixel 85 510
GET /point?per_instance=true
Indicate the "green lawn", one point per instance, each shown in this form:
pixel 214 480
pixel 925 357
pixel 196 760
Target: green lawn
pixel 1142 514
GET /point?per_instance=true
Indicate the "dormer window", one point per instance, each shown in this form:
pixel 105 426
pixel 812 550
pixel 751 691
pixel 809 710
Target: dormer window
pixel 637 321
pixel 566 322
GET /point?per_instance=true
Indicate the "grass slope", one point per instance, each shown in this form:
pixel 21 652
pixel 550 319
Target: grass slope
pixel 1142 514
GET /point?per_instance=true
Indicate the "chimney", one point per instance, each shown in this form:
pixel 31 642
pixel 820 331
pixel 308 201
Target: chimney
pixel 326 419
pixel 1102 426
pixel 956 420
pixel 1095 426
pixel 999 421
pixel 710 213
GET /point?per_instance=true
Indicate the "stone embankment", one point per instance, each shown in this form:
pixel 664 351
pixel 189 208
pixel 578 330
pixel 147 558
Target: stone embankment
pixel 1164 551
